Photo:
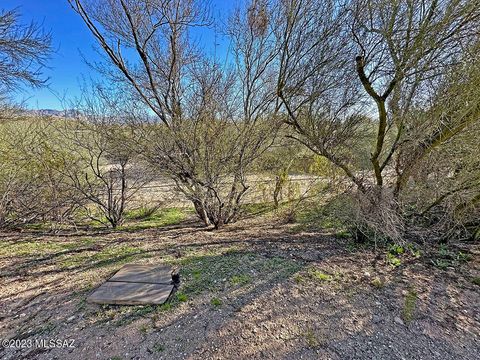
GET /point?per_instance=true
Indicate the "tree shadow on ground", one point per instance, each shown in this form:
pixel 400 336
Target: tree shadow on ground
pixel 231 286
pixel 46 296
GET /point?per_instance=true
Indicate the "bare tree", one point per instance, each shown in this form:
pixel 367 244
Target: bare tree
pixel 198 136
pixel 98 158
pixel 53 167
pixel 404 50
pixel 315 85
pixel 23 52
pixel 400 54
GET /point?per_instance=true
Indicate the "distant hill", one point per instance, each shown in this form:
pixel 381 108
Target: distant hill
pixel 68 113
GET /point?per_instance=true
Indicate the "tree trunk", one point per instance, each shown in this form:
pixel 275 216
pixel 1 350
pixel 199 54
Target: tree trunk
pixel 276 191
pixel 201 212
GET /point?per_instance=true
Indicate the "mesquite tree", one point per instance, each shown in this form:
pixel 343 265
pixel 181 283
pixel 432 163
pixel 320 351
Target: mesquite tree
pixel 23 52
pixel 342 63
pixel 405 49
pixel 99 158
pixel 209 123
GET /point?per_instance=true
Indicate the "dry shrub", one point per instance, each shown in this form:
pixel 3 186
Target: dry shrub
pixel 376 215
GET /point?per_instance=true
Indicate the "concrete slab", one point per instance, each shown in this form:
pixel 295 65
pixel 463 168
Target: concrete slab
pixel 135 284
pixel 148 274
pixel 129 293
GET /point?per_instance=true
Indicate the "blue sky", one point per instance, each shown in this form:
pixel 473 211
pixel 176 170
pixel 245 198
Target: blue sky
pixel 71 40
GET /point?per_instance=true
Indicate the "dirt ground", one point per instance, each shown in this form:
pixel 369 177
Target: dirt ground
pixel 259 289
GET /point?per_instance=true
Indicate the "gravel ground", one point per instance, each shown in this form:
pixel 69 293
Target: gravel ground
pixel 254 290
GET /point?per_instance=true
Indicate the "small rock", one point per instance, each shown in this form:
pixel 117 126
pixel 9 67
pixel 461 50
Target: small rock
pixel 399 321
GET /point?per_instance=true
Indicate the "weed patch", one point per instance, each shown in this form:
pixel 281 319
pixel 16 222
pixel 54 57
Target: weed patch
pixel 241 279
pixel 139 220
pixel 216 302
pixel 311 339
pixel 215 271
pixel 158 347
pixel 409 306
pixel 378 283
pixel 447 258
pixel 319 275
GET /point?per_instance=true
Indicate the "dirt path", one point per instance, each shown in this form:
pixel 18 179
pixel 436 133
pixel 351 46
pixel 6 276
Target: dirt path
pixel 253 290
